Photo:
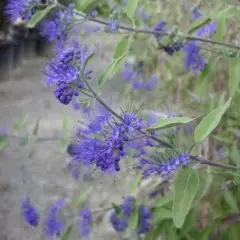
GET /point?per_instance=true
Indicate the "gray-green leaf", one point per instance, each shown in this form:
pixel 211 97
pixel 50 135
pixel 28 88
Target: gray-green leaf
pixel 185 188
pixel 3 142
pixel 123 46
pixel 81 197
pixel 68 233
pixel 131 8
pixel 133 221
pixel 210 122
pixel 164 200
pixel 164 123
pixel 234 76
pixel 199 23
pixel 39 15
pixel 111 69
pixel 18 125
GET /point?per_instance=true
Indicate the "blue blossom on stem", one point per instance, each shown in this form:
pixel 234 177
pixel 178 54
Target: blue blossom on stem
pixel 84 222
pixel 120 222
pixel 54 226
pixel 151 167
pixel 193 59
pixel 113 25
pixel 64 71
pixel 21 8
pixel 144 217
pixel 30 213
pixel 58 27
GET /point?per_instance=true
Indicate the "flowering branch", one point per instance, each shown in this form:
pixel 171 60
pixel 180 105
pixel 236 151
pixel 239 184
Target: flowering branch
pixel 151 32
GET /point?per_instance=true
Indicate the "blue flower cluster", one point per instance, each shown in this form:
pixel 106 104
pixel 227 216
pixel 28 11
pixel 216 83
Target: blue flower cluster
pixel 134 75
pixel 161 28
pixel 194 61
pixel 151 167
pixel 84 222
pixel 58 26
pixel 65 71
pixel 54 226
pixel 121 219
pixel 30 213
pixel 21 8
pixel 102 142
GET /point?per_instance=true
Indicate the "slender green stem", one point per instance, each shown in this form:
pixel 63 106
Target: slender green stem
pixel 152 32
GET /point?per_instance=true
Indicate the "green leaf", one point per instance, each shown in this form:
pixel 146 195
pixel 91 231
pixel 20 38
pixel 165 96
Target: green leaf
pixel 81 197
pixel 131 8
pixel 111 69
pixel 221 28
pixel 164 123
pixel 185 189
pixel 234 76
pixel 156 231
pixel 199 23
pixel 231 201
pixel 24 140
pixel 163 201
pixel 32 152
pixel 123 46
pixel 18 125
pixel 133 221
pixel 160 214
pixel 3 142
pixel 68 233
pixel 39 15
pixel 135 182
pixel 117 208
pixel 36 128
pixel 235 155
pixel 63 145
pixel 210 122
pixel 205 182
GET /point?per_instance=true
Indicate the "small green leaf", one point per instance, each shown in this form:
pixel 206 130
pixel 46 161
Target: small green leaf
pixel 3 142
pixel 136 181
pixel 117 208
pixel 185 189
pixel 36 128
pixel 63 145
pixel 24 140
pixel 123 46
pixel 199 23
pixel 68 233
pixel 210 122
pixel 131 8
pixel 111 69
pixel 221 28
pixel 133 221
pixel 81 197
pixel 231 201
pixel 18 125
pixel 39 15
pixel 32 152
pixel 164 123
pixel 234 76
pixel 163 201
pixel 160 214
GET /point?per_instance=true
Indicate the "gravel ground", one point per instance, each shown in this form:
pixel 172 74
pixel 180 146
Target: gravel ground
pixel 44 176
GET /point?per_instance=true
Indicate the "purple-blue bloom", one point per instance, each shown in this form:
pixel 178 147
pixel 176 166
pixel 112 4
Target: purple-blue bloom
pixel 84 222
pixel 54 225
pixel 30 213
pixel 113 25
pixel 21 8
pixel 144 217
pixel 58 27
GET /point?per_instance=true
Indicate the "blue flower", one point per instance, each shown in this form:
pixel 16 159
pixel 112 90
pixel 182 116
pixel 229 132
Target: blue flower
pixel 113 25
pixel 84 222
pixel 30 213
pixel 65 70
pixel 54 226
pixel 58 27
pixel 144 217
pixel 193 59
pixel 120 222
pixel 21 8
pixel 164 169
